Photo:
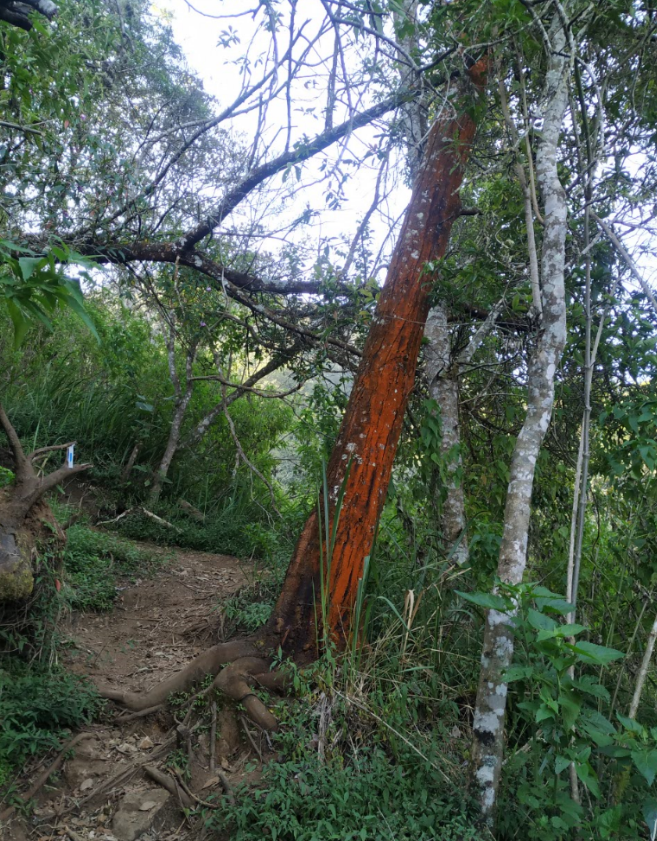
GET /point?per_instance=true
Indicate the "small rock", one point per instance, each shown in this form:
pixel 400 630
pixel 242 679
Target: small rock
pixel 87 784
pixel 126 747
pixel 146 743
pixel 137 813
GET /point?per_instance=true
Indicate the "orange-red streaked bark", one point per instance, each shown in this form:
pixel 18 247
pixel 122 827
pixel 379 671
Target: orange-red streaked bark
pixel 371 427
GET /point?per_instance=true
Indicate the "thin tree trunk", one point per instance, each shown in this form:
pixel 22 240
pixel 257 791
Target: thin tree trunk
pixel 643 671
pixel 370 429
pixel 490 709
pixel 444 389
pixel 180 408
pixel 171 447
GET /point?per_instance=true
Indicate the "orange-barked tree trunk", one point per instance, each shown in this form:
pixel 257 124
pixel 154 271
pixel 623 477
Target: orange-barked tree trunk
pixel 371 427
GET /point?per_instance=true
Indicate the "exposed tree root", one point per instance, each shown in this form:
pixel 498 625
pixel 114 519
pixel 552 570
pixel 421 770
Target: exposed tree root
pixel 167 782
pixel 237 681
pixel 207 663
pixel 246 670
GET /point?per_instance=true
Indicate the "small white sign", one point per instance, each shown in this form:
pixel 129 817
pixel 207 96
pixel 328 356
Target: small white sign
pixel 69 456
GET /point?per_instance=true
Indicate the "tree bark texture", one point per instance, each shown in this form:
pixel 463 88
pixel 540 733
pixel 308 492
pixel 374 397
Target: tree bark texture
pixel 442 374
pixel 371 427
pixel 25 518
pixel 497 654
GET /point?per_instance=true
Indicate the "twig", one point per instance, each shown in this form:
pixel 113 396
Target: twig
pixel 250 738
pixel 191 793
pixel 226 786
pixel 213 736
pixel 72 834
pixel 124 719
pixel 145 511
pixel 42 779
pixel 170 785
pixel 626 256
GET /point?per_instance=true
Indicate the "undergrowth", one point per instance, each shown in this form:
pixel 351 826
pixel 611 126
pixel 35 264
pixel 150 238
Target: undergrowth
pixel 344 773
pixel 37 705
pixel 96 561
pixel 239 528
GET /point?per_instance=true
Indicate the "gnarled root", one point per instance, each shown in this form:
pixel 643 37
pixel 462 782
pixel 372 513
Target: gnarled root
pixel 246 670
pixel 207 663
pixel 237 681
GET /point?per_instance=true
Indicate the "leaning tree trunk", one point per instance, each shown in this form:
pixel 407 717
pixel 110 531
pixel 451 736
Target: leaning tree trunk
pixel 367 440
pixel 371 427
pixel 497 654
pixel 441 374
pixel 25 518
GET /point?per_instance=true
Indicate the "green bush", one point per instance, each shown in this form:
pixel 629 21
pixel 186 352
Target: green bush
pixel 36 706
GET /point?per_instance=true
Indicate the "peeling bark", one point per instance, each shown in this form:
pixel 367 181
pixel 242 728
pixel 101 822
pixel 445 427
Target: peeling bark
pixel 370 430
pixel 497 654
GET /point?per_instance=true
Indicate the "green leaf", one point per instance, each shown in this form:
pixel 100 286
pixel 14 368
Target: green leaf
pixel 561 763
pixel 489 601
pixel 29 265
pixel 590 686
pixel 21 324
pixel 518 673
pixel 649 809
pixel 543 713
pixel 540 621
pixel 645 762
pixel 588 776
pixel 630 724
pixel 571 704
pixel 83 315
pixel 598 655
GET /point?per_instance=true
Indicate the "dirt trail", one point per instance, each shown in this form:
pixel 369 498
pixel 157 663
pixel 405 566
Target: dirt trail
pixel 158 624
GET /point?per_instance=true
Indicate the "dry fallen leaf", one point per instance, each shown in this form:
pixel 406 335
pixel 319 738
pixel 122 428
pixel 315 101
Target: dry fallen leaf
pixel 87 784
pixel 147 805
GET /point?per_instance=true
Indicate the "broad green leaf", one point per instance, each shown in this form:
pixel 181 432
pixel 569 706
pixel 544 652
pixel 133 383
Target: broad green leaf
pixel 489 601
pixel 588 776
pixel 598 655
pixel 590 686
pixel 649 809
pixel 540 621
pixel 518 673
pixel 645 762
pixel 543 713
pixel 570 707
pixel 29 265
pixel 630 724
pixel 561 763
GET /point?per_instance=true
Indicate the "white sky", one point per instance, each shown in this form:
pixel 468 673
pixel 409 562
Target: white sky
pixel 198 36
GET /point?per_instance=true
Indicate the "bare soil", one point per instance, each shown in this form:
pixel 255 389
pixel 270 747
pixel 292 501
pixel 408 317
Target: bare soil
pixel 158 624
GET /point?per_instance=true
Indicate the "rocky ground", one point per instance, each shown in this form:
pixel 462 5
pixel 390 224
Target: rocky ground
pixel 106 787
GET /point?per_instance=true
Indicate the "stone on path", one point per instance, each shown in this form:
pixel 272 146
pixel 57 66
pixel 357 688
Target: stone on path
pixel 137 813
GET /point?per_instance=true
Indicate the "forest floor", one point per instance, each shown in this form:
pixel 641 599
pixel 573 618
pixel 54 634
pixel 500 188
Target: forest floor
pixel 102 791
